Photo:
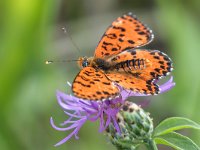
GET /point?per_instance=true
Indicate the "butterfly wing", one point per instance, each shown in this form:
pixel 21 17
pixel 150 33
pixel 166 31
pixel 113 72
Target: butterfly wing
pixel 146 64
pixel 136 69
pixel 126 32
pixel 138 85
pixel 91 84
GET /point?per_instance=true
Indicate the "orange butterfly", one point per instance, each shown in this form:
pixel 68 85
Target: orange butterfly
pixel 117 62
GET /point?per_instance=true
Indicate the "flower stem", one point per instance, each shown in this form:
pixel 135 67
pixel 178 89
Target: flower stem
pixel 151 145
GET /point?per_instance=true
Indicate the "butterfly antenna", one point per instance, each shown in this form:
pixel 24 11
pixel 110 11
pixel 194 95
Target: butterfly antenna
pixel 58 61
pixel 69 35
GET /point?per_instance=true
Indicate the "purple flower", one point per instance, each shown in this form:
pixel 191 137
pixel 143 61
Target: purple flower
pixel 79 111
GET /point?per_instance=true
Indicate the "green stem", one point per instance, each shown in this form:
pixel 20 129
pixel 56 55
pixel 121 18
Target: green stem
pixel 151 145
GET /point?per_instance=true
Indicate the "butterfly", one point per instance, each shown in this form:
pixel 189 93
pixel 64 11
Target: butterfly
pixel 117 61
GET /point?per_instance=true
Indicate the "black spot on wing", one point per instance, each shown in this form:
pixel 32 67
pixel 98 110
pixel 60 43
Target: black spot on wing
pixel 104 47
pixel 106 93
pixel 127 48
pixel 96 80
pixel 84 78
pixel 149 87
pixel 107 43
pixel 157 70
pixel 164 73
pixel 86 73
pixel 120 39
pixel 119 28
pixel 141 33
pixel 106 83
pixel 98 93
pixel 163 67
pixel 85 85
pixel 161 62
pixel 166 58
pixel 131 41
pixel 153 74
pixel 111 36
pixel 91 82
pixel 114 49
pixel 107 54
pixel 156 57
pixel 169 63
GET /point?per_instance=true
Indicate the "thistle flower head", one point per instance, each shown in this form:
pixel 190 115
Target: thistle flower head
pixel 79 111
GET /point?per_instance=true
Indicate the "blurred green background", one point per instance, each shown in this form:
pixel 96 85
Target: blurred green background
pixel 31 32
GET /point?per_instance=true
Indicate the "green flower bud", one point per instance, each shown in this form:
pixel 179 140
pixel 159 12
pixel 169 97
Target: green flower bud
pixel 135 124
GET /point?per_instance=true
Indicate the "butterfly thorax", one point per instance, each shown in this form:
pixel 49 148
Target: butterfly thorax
pixel 97 63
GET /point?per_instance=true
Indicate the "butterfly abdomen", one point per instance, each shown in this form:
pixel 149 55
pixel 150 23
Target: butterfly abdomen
pixel 130 65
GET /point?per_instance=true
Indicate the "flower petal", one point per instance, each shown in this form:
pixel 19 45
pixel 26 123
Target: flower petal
pixel 68 137
pixel 167 85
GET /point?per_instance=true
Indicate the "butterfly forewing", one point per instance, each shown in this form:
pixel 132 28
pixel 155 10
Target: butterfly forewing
pixel 126 32
pixel 92 84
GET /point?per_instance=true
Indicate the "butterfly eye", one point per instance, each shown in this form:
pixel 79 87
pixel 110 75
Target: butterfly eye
pixel 85 63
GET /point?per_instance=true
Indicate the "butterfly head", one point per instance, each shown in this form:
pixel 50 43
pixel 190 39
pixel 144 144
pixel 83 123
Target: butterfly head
pixel 84 62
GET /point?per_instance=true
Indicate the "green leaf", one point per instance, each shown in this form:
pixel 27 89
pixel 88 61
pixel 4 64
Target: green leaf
pixel 174 123
pixel 176 141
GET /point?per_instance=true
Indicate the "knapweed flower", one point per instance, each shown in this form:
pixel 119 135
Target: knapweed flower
pixel 79 111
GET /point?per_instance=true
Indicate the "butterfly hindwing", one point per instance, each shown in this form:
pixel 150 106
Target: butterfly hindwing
pixel 126 32
pixel 91 84
pixel 144 64
pixel 129 82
